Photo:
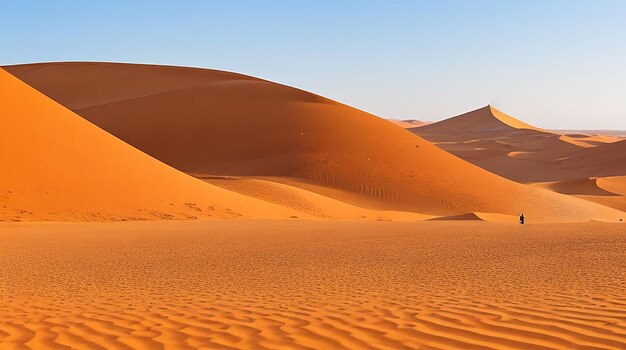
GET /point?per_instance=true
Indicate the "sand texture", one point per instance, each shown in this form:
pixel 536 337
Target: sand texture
pixel 245 284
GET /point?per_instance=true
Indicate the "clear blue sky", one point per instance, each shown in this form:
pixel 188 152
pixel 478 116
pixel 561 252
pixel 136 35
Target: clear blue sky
pixel 552 63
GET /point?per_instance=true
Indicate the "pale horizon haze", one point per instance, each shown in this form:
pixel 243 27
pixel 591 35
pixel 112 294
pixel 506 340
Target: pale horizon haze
pixel 554 64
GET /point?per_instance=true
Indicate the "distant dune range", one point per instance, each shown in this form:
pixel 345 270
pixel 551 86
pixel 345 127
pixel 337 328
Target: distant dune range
pixel 511 148
pixel 217 125
pixel 573 163
pixel 611 133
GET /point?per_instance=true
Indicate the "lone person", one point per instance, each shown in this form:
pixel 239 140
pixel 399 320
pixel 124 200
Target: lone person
pixel 521 218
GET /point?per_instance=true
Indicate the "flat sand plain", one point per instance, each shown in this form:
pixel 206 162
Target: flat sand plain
pixel 248 284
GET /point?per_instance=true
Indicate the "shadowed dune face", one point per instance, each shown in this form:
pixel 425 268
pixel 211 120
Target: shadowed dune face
pixel 211 122
pixel 521 152
pixel 57 166
pixel 604 160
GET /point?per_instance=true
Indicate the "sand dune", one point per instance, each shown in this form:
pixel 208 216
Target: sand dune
pixel 614 184
pixel 57 166
pixel 408 123
pixel 217 123
pixel 604 160
pixel 511 148
pixel 589 140
pixel 318 266
pixel 306 201
pixel 612 134
pixel 241 284
pixel 588 186
pixel 486 119
pixel 608 191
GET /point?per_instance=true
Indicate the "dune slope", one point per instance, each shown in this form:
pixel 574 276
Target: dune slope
pixel 511 148
pixel 608 191
pixel 219 123
pixel 57 166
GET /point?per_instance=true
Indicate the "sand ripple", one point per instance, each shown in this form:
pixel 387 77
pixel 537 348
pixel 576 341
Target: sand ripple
pixel 317 285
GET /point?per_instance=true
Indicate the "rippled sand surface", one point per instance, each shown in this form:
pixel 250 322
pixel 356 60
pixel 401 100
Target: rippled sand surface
pixel 246 284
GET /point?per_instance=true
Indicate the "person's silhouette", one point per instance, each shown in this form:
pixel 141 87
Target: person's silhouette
pixel 521 218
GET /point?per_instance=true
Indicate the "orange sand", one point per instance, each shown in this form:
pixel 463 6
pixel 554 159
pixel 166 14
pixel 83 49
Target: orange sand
pixel 241 284
pixel 608 191
pixel 218 123
pixel 511 148
pixel 311 261
pixel 57 166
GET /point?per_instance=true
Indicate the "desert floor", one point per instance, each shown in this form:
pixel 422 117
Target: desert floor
pixel 245 284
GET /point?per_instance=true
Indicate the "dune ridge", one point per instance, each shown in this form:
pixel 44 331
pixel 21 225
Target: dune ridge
pixel 202 126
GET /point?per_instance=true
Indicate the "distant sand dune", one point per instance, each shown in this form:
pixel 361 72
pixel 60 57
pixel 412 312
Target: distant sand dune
pixel 608 191
pixel 217 123
pixel 620 134
pixel 605 160
pixel 590 186
pixel 408 123
pixel 521 152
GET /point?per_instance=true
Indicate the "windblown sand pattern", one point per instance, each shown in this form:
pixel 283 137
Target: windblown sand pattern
pixel 254 284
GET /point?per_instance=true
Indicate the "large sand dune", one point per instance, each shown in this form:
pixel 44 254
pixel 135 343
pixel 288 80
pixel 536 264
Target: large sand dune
pixel 57 166
pixel 260 284
pixel 521 152
pixel 218 123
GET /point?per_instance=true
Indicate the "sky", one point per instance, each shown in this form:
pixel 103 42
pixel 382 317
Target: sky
pixel 558 64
